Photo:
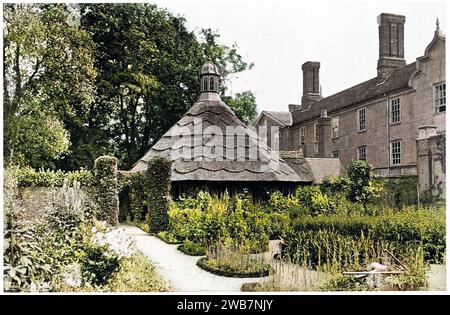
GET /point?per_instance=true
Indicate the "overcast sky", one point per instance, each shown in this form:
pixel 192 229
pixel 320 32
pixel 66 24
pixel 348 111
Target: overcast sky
pixel 280 36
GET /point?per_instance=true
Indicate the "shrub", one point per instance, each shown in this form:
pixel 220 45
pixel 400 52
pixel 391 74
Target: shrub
pixel 397 192
pixel 158 172
pixel 362 188
pixel 313 201
pixel 167 237
pixel 106 189
pixel 220 219
pixel 28 177
pixel 191 248
pixel 230 260
pixel 136 274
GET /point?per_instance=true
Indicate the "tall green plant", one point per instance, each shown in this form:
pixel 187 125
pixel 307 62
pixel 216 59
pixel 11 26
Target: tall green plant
pixel 158 173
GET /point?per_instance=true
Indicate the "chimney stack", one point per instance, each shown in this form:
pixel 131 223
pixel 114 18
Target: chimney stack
pixel 311 83
pixel 391 43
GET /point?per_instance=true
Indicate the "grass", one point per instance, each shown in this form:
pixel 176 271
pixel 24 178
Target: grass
pixel 288 277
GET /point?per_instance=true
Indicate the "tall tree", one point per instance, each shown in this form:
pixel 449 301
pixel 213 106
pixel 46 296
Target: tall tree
pixel 148 65
pixel 48 82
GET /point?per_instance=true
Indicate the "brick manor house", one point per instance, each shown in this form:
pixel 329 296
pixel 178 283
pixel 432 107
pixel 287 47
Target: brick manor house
pixel 395 121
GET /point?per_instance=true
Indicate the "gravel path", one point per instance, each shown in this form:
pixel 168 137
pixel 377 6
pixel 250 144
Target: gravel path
pixel 179 270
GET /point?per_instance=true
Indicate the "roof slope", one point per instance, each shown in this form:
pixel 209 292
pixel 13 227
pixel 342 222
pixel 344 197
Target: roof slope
pixel 283 118
pixel 362 92
pixel 192 137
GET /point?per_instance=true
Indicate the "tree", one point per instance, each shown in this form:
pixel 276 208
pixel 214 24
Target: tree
pixel 244 105
pixel 47 82
pixel 148 65
pixel 362 187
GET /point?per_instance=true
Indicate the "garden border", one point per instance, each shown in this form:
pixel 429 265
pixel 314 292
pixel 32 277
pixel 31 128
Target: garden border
pixel 227 273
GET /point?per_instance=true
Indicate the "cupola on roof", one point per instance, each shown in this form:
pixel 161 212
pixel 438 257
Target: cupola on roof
pixel 210 68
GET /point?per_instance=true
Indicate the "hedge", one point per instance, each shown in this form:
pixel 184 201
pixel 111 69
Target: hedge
pixel 203 263
pixel 28 177
pixel 107 189
pixel 158 193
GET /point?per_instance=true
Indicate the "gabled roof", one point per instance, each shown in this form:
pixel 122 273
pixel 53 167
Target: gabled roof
pixel 312 170
pixel 282 118
pixel 362 92
pixel 189 135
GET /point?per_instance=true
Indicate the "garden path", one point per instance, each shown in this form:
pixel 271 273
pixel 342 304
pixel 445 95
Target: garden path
pixel 179 270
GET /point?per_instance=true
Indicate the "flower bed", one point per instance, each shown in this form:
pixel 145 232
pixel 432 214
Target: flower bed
pixel 261 270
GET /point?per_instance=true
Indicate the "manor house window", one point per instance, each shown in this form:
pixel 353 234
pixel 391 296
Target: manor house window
pixel 439 97
pixel 395 110
pixel 395 152
pixel 362 119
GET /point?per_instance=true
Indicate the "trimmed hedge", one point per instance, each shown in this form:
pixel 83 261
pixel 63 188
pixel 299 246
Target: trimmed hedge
pixel 158 193
pixel 28 177
pixel 192 249
pixel 106 189
pixel 203 263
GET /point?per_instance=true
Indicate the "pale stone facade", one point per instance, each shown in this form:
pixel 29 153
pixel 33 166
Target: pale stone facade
pixel 377 120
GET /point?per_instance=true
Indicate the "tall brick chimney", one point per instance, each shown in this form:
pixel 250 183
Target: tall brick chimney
pixel 391 43
pixel 311 83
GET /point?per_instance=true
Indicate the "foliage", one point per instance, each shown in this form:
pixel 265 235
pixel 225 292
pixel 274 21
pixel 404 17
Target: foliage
pixel 106 189
pixel 216 219
pixel 425 226
pixel 48 90
pixel 36 139
pixel 190 248
pixel 28 177
pixel 362 188
pixel 233 261
pixel 138 199
pixel 148 63
pixel 167 237
pixel 158 172
pixel 243 105
pixel 136 275
pixel 312 201
pixel 397 192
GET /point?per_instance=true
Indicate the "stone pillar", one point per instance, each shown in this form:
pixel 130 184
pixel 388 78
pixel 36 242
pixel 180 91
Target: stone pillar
pixel 425 158
pixel 324 125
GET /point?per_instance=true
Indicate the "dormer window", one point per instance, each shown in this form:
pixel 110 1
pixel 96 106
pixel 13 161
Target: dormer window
pixel 205 83
pixel 211 83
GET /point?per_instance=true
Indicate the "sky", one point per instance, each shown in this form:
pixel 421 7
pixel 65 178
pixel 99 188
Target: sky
pixel 278 37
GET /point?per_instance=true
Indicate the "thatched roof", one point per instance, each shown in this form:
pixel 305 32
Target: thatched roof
pixel 198 154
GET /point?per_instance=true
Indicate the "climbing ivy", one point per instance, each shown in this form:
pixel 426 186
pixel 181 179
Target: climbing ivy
pixel 158 189
pixel 106 189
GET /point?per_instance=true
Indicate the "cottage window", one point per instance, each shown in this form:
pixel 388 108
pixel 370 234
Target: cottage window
pixel 395 152
pixel 362 153
pixel 335 127
pixel 395 110
pixel 302 135
pixel 335 154
pixel 439 97
pixel 362 119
